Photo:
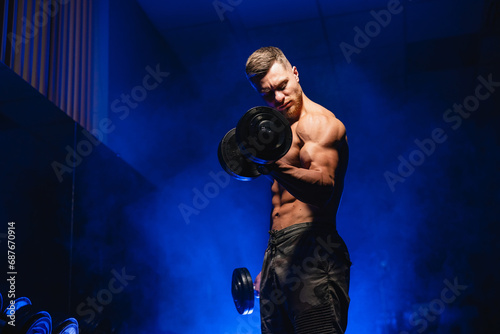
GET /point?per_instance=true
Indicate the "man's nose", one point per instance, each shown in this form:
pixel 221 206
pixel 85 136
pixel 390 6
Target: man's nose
pixel 279 97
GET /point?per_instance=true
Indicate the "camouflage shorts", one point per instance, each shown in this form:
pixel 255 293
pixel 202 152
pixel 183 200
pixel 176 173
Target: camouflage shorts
pixel 305 281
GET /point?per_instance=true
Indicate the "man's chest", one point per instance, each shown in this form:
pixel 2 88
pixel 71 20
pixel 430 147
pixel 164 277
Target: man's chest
pixel 293 155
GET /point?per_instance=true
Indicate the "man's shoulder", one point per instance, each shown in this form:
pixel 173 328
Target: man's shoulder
pixel 316 111
pixel 321 122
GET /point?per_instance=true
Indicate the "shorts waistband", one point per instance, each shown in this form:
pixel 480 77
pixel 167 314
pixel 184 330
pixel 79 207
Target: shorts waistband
pixel 299 228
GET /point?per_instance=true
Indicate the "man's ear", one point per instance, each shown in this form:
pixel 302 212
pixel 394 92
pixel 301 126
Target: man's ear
pixel 295 73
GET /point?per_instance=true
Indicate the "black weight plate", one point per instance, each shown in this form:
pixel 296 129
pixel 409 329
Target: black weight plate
pixel 263 135
pixel 242 291
pixel 40 323
pixel 233 161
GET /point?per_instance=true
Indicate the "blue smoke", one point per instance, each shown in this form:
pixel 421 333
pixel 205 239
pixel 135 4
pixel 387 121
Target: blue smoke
pixel 409 225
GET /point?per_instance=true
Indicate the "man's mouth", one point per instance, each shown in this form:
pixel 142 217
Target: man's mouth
pixel 284 107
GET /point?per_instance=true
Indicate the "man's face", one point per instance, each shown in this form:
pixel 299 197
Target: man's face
pixel 281 90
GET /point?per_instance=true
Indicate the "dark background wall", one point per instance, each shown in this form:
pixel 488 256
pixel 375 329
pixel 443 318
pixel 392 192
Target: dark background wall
pixel 420 207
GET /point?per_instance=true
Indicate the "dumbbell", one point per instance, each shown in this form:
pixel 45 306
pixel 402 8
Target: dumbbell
pixel 27 319
pixel 262 136
pixel 243 291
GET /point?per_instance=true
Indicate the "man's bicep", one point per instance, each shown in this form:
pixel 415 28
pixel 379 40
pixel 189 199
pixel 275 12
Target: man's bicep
pixel 321 146
pixel 320 157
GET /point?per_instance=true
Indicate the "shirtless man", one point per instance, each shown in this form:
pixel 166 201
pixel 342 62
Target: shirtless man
pixel 304 281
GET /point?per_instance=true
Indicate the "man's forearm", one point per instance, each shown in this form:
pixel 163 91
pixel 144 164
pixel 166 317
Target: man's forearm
pixel 309 186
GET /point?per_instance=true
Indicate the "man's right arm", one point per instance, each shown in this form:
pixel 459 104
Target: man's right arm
pixel 256 285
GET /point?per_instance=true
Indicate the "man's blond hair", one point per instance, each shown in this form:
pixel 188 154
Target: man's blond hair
pixel 259 62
